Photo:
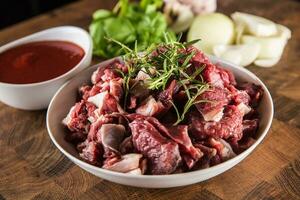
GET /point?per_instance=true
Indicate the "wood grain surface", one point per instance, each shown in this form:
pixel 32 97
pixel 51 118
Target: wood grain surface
pixel 32 168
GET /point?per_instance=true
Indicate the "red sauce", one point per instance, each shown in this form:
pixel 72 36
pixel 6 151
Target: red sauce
pixel 38 61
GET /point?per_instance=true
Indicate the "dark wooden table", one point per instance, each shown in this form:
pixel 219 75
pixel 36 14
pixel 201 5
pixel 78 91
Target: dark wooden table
pixel 32 168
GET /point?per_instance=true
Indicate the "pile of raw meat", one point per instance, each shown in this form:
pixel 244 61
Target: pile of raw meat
pixel 140 137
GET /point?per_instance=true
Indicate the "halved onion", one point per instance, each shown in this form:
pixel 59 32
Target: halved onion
pixel 268 62
pixel 255 25
pixel 238 54
pixel 270 47
pixel 212 29
pixel 284 31
pixel 239 30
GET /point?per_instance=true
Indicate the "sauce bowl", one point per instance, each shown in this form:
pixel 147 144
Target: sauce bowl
pixel 35 96
pixel 65 98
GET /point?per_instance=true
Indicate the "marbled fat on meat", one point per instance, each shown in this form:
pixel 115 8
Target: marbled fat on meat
pixel 229 126
pixel 214 100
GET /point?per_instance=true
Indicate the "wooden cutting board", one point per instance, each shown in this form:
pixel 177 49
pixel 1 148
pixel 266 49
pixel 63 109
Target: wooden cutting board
pixel 32 168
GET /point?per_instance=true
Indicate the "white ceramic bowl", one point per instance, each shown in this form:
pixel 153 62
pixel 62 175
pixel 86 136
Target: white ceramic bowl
pixel 66 96
pixel 36 96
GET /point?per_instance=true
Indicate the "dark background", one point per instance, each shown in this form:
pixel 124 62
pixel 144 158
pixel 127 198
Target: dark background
pixel 13 11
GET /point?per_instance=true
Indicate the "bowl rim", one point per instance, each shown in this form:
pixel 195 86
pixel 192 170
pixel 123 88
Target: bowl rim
pixel 30 37
pixel 241 156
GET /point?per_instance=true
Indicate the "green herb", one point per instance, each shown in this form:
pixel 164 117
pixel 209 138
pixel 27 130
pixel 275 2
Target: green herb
pixel 170 61
pixel 192 99
pixel 127 23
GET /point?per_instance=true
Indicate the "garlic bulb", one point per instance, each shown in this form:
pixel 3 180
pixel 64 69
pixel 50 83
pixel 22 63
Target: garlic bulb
pixel 201 6
pixel 179 16
pixel 180 13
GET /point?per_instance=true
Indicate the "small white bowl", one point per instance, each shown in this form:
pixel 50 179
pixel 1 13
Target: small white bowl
pixel 66 97
pixel 36 96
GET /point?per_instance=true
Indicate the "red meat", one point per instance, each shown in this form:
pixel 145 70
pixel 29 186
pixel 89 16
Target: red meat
pixel 216 98
pixel 250 127
pixel 126 146
pixel 226 75
pixel 139 89
pixel 77 120
pixel 86 91
pixel 109 72
pixel 180 135
pixel 238 96
pixel 208 157
pixel 106 104
pixel 142 138
pixel 92 153
pixel 254 91
pixel 116 88
pixel 229 126
pixel 199 58
pixel 132 103
pixel 166 96
pixel 218 77
pixel 223 148
pixel 162 153
pixel 150 107
pixel 95 127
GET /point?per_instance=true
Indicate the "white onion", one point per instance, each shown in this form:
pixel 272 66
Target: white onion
pixel 212 29
pixel 238 54
pixel 270 47
pixel 255 25
pixel 268 62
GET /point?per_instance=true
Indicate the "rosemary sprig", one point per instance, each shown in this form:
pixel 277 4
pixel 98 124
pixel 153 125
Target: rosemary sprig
pixel 190 102
pixel 170 61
